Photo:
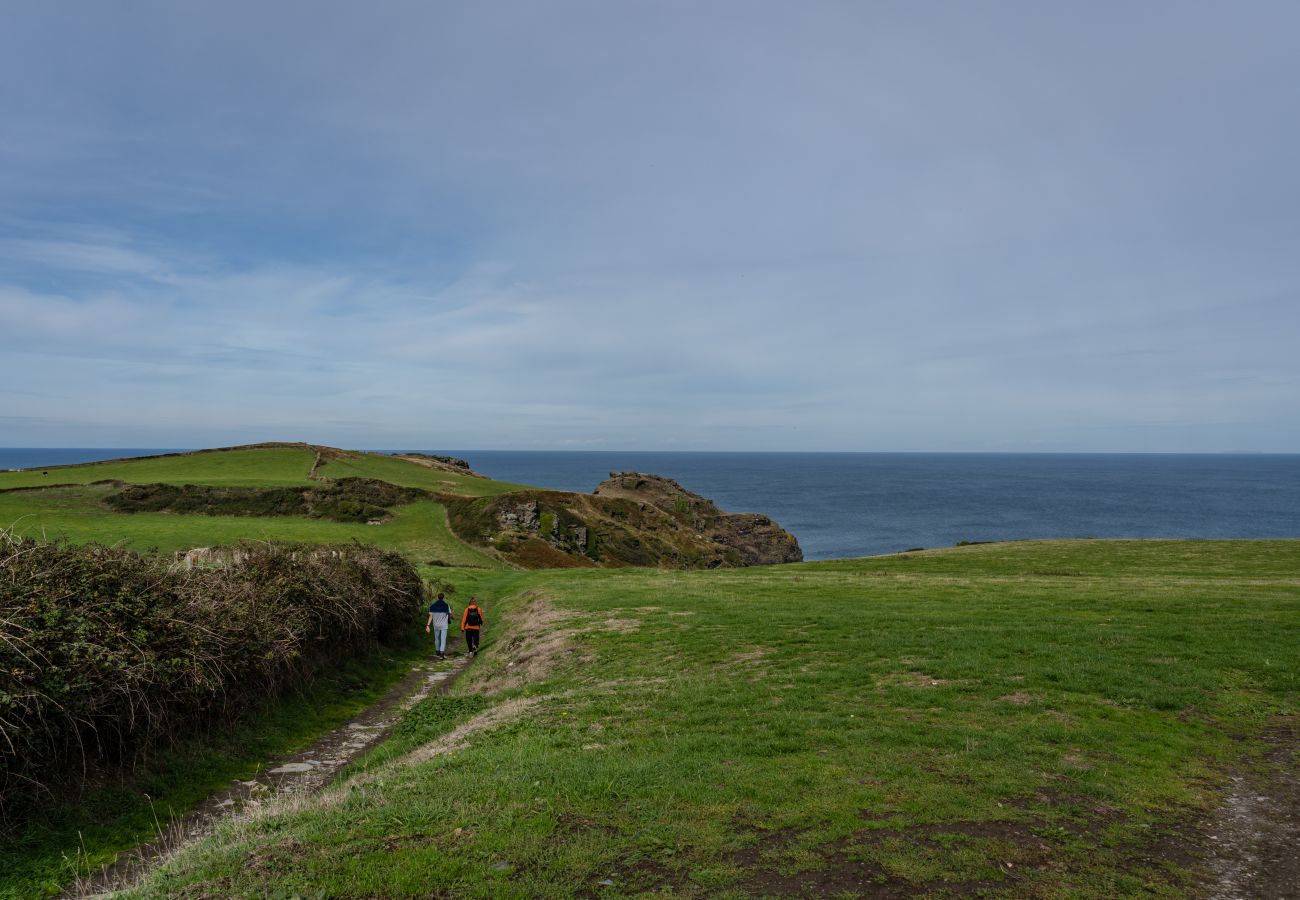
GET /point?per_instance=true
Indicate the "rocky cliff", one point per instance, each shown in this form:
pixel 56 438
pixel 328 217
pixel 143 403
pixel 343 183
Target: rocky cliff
pixel 631 519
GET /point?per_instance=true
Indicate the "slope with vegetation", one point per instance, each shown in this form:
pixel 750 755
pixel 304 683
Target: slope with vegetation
pixel 283 492
pixel 1027 720
pixel 405 503
pixel 632 519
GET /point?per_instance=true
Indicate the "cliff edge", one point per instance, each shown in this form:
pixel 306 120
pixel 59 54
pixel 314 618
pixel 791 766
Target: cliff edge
pixel 631 519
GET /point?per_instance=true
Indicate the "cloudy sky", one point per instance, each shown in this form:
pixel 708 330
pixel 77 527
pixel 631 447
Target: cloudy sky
pixel 659 225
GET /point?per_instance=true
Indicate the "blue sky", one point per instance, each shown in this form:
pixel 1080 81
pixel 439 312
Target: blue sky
pixel 659 225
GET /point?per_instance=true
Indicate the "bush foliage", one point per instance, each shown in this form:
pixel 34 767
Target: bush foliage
pixel 107 654
pixel 345 500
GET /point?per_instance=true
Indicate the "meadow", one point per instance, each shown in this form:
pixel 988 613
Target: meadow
pixel 67 502
pixel 258 467
pixel 1031 720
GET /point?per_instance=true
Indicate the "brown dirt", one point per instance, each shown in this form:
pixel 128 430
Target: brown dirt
pixel 1251 844
pixel 1020 698
pixel 541 641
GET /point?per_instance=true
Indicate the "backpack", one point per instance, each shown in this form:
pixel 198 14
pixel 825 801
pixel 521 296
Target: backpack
pixel 472 616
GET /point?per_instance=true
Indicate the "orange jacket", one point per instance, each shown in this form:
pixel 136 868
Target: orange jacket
pixel 464 625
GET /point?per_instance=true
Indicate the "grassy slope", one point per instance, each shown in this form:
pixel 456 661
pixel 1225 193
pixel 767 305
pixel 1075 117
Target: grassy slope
pixel 1021 719
pixel 260 467
pixel 418 530
pixel 235 468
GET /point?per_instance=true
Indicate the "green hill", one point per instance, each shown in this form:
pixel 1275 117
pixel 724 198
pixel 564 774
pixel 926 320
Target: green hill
pixel 1051 719
pixel 69 501
pixel 444 515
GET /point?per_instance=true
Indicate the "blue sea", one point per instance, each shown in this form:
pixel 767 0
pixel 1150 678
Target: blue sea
pixel 859 504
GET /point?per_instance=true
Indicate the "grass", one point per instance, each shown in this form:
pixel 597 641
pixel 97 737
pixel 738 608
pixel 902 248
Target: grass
pixel 1032 720
pixel 263 467
pixel 408 474
pixel 78 838
pixel 258 467
pixel 69 505
pixel 418 530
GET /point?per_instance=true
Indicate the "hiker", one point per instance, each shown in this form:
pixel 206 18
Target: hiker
pixel 471 622
pixel 439 619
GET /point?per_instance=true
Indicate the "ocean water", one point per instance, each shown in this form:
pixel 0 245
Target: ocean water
pixel 859 504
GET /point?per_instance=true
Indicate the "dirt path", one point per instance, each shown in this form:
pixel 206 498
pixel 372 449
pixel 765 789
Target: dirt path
pixel 304 772
pixel 1254 837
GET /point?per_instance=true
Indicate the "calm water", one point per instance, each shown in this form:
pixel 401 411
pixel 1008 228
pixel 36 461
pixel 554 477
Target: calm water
pixel 855 504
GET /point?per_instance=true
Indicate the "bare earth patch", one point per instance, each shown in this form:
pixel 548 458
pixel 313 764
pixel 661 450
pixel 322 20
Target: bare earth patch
pixel 909 679
pixel 1253 839
pixel 542 640
pixel 1020 698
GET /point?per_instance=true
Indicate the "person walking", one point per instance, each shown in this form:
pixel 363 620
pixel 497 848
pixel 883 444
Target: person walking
pixel 471 623
pixel 439 619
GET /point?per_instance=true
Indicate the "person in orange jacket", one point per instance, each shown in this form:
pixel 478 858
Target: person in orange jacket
pixel 471 623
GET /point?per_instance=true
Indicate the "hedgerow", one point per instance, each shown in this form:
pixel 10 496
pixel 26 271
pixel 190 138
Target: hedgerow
pixel 345 500
pixel 105 654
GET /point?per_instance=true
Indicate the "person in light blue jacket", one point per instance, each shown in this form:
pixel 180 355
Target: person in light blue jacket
pixel 439 619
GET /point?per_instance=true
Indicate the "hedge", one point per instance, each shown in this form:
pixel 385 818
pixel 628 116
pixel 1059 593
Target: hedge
pixel 105 654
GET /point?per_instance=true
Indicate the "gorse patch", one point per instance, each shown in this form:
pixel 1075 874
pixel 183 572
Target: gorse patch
pixel 346 500
pixel 106 655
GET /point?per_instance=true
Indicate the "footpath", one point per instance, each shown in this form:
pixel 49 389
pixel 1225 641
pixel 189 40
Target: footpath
pixel 304 772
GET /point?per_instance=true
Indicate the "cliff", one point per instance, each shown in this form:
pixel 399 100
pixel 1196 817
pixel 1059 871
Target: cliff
pixel 632 519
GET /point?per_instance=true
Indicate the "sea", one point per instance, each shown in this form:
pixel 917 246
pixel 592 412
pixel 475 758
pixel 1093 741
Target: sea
pixel 862 504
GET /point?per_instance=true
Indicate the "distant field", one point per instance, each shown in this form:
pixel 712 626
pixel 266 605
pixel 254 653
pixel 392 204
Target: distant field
pixel 262 467
pixel 68 504
pixel 418 530
pixel 257 467
pixel 1026 720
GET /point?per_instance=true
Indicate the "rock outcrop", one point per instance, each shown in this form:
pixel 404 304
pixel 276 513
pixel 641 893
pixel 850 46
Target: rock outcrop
pixel 631 519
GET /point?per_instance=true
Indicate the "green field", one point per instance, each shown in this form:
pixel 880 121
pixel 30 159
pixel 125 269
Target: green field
pixel 257 467
pixel 417 530
pixel 1029 720
pixel 1037 719
pixel 68 504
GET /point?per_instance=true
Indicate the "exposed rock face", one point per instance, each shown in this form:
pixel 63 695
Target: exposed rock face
pixel 757 539
pixel 521 515
pixel 631 519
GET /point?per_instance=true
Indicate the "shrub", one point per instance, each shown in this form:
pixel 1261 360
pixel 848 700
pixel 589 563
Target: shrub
pixel 107 654
pixel 345 500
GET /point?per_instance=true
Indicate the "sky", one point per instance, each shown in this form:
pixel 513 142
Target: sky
pixel 624 224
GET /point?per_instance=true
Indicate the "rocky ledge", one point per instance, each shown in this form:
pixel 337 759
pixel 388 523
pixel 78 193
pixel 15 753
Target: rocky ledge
pixel 632 518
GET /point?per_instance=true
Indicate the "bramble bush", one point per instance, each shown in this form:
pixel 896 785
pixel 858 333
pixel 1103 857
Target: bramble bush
pixel 106 654
pixel 345 500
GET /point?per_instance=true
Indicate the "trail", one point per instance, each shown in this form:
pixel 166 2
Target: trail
pixel 1253 837
pixel 304 772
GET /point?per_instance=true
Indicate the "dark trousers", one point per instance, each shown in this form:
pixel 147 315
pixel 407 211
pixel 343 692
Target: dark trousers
pixel 471 639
